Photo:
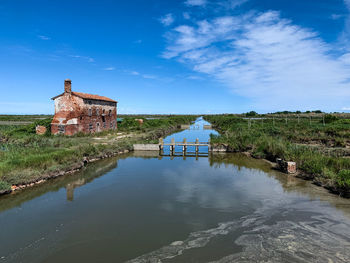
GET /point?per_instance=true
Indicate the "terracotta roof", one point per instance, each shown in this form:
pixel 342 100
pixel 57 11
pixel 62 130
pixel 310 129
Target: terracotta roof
pixel 88 96
pixel 91 96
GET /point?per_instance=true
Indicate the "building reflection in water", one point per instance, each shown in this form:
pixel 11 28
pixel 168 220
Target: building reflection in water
pixel 71 186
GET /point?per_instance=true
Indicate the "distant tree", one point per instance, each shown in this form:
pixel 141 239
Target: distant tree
pixel 329 118
pixel 251 114
pixel 307 111
pixel 298 112
pixel 317 111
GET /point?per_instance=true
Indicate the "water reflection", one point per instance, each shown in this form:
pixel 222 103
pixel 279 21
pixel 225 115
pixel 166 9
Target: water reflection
pixel 69 182
pixel 200 130
pixel 143 207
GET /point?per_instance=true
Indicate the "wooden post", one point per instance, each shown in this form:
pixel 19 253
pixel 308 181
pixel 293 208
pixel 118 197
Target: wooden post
pixel 197 147
pixel 172 146
pixel 184 147
pixel 161 144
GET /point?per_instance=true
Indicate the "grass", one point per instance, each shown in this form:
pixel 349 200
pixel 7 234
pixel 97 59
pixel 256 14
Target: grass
pixel 318 148
pixel 26 157
pixel 23 117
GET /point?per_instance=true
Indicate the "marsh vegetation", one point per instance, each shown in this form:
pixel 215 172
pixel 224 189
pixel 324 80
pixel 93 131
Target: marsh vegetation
pixel 26 157
pixel 319 144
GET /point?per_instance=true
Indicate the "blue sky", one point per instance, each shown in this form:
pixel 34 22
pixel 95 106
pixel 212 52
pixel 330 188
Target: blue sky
pixel 185 56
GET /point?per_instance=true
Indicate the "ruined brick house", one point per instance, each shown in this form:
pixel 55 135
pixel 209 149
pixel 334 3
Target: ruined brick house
pixel 82 112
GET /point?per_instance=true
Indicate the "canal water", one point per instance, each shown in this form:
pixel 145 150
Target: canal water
pixel 141 207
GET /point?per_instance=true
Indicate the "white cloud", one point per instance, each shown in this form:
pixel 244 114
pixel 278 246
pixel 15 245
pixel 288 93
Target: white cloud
pixel 265 58
pixel 109 68
pixel 88 59
pixel 345 58
pixel 167 20
pixel 193 77
pixel 232 4
pixel 186 15
pixel 148 76
pixel 336 16
pixel 44 37
pixel 347 3
pixel 145 76
pixel 196 2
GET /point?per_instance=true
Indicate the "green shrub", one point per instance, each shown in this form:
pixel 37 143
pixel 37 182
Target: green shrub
pixel 329 118
pixel 4 186
pixel 343 178
pixel 251 114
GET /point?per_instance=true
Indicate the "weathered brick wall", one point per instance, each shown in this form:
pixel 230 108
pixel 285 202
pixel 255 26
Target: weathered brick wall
pixel 74 114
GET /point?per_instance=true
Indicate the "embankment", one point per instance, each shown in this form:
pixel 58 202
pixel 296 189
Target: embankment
pixel 31 160
pixel 269 139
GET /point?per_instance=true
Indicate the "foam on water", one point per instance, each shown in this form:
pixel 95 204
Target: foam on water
pixel 317 238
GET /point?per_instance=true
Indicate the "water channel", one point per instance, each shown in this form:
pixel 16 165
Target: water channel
pixel 141 207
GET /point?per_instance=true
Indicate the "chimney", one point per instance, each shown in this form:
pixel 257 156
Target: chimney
pixel 67 86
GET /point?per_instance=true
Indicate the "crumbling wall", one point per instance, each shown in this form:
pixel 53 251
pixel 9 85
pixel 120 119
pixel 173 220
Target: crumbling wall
pixel 74 114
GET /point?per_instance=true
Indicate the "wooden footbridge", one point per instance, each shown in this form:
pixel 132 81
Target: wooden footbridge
pixel 184 144
pixel 172 144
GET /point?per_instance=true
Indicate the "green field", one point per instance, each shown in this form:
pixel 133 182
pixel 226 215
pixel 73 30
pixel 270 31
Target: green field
pixel 26 157
pixel 320 145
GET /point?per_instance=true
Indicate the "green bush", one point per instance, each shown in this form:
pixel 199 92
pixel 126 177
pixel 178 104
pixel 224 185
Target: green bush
pixel 251 114
pixel 30 128
pixel 4 186
pixel 329 118
pixel 343 178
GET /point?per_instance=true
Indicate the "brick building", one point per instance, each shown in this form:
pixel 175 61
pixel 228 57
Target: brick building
pixel 82 112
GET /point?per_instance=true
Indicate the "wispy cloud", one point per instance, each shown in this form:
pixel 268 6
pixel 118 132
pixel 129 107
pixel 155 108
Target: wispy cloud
pixel 42 37
pixel 167 20
pixel 142 75
pixel 231 4
pixel 196 2
pixel 194 77
pixel 135 73
pixel 265 58
pixel 109 68
pixel 345 36
pixel 148 76
pixel 86 58
pixel 139 41
pixel 336 16
pixel 186 15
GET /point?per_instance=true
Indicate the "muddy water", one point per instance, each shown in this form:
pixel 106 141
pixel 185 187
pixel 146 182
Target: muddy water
pixel 144 208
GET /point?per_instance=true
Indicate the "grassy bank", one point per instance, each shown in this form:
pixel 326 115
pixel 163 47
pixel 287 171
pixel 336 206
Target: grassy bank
pixel 26 157
pixel 320 149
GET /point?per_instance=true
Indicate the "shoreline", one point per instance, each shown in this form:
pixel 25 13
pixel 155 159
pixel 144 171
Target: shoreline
pixel 156 134
pixel 344 193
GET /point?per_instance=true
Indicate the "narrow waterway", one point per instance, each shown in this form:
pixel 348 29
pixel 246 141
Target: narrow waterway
pixel 141 207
